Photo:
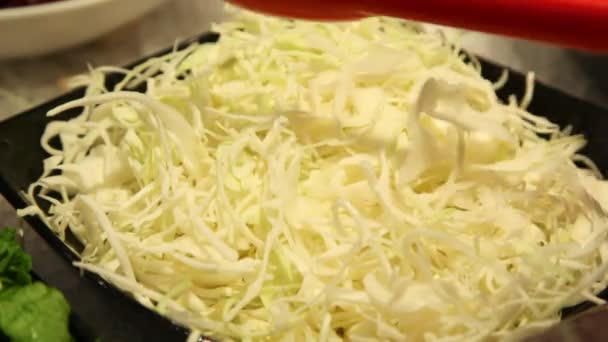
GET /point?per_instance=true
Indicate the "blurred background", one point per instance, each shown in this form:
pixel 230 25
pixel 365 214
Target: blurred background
pixel 27 81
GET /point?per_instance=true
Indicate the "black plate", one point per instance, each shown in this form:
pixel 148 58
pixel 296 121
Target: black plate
pixel 121 318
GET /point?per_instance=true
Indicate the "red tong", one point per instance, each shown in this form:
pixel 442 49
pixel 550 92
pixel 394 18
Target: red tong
pixel 574 23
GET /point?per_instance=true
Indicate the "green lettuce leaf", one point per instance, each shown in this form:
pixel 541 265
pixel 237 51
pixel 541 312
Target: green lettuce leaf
pixel 15 264
pixel 29 312
pixel 35 313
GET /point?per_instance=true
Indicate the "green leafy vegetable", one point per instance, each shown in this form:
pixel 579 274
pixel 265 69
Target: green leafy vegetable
pixel 34 312
pixel 15 264
pixel 29 312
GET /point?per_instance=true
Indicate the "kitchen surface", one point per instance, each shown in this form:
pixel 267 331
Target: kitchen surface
pixel 25 83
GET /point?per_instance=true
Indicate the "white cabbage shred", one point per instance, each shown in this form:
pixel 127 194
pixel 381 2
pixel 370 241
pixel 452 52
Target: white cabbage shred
pixel 303 181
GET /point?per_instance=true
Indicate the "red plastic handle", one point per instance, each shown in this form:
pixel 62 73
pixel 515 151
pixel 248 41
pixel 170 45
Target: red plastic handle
pixel 574 23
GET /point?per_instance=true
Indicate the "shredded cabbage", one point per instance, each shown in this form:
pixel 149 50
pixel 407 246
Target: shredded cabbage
pixel 303 181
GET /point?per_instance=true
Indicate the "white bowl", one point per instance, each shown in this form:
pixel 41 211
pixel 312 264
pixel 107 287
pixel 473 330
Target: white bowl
pixel 40 29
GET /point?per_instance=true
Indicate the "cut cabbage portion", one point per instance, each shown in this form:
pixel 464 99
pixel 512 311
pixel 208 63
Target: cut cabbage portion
pixel 303 181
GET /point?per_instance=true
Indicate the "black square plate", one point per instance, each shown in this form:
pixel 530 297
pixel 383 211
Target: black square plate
pixel 118 317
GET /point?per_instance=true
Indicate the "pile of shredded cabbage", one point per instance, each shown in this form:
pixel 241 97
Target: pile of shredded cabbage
pixel 302 181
